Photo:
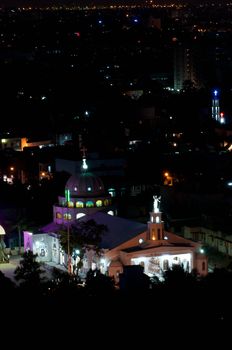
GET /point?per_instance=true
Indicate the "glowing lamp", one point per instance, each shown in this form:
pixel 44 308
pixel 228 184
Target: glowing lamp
pixel 2 231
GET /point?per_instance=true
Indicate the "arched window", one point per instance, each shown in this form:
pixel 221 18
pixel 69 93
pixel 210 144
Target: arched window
pixel 67 216
pixel 79 204
pixel 79 215
pixel 58 215
pixel 70 204
pixel 89 204
pixel 106 202
pixel 112 192
pixel 110 212
pixel 99 203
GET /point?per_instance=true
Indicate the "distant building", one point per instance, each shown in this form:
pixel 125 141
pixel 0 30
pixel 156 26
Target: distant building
pixel 185 69
pixel 63 139
pixel 15 143
pixel 19 143
pixel 212 238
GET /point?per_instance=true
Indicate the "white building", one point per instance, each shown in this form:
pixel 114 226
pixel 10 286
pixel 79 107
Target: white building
pixel 128 243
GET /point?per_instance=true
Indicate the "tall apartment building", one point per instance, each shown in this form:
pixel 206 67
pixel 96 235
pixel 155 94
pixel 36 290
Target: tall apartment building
pixel 184 66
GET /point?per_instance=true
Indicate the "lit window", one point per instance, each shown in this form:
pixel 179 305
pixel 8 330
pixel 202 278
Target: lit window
pixel 112 192
pixel 106 202
pixel 99 203
pixel 67 216
pixel 79 204
pixel 70 204
pixel 110 212
pixel 58 215
pixel 157 219
pixel 89 204
pixel 141 241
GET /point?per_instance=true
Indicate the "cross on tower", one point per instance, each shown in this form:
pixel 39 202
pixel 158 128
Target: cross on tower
pixel 83 151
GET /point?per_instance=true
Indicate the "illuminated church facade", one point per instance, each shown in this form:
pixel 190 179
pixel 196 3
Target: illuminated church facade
pixel 125 243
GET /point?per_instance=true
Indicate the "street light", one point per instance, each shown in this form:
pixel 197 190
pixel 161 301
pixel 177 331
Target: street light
pixel 69 256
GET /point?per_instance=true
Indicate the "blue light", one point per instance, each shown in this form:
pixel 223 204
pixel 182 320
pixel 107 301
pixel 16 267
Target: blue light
pixel 100 21
pixel 215 92
pixel 136 20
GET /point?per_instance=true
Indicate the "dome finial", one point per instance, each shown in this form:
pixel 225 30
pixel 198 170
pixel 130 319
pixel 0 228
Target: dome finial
pixel 84 164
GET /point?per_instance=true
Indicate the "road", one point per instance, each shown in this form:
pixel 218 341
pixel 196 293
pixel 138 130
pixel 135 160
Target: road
pixel 9 268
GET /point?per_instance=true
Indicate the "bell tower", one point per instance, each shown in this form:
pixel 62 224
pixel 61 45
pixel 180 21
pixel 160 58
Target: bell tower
pixel 155 225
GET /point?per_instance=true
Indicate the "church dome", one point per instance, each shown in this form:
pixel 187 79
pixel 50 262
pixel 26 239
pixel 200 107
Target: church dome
pixel 2 231
pixel 85 185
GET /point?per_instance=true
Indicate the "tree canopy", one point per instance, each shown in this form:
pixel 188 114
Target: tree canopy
pixel 82 235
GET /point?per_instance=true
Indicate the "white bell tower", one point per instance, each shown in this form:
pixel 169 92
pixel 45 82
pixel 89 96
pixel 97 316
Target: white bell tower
pixel 155 225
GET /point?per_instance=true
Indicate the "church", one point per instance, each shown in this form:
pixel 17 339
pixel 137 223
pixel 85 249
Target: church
pixel 126 242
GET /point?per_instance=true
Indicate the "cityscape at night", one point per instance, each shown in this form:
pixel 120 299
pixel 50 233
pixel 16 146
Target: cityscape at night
pixel 116 154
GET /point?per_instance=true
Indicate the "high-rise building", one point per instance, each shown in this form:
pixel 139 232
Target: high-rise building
pixel 184 67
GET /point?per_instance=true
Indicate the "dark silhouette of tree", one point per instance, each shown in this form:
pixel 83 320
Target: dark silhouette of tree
pixel 177 276
pixel 134 280
pixel 63 284
pixel 6 285
pixel 98 284
pixel 29 271
pixel 82 236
